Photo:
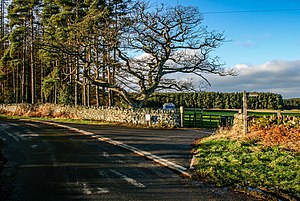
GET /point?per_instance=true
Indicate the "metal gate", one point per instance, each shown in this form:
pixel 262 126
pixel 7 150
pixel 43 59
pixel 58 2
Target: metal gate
pixel 197 119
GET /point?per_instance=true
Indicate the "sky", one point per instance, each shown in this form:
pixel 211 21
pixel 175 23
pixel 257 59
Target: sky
pixel 262 43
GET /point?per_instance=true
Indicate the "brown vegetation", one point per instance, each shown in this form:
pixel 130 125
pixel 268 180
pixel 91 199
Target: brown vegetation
pixel 281 131
pixel 45 110
pixel 276 135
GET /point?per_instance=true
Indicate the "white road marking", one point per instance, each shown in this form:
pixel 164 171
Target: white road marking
pixel 14 136
pixel 34 146
pixel 17 136
pixel 5 126
pixel 105 154
pixel 129 180
pixel 32 125
pixel 103 174
pixel 13 124
pixel 30 133
pixel 102 191
pixel 86 189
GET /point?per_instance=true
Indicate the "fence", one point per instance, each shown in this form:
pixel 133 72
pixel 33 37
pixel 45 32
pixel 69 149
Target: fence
pixel 198 118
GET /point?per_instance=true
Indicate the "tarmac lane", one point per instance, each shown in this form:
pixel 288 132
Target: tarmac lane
pixel 51 162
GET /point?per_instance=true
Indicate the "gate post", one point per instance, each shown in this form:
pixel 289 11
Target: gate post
pixel 181 116
pixel 245 112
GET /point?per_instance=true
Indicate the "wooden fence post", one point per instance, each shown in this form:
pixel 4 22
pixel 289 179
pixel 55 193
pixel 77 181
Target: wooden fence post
pixel 181 116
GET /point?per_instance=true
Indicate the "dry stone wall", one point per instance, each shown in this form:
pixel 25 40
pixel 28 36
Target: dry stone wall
pixel 161 118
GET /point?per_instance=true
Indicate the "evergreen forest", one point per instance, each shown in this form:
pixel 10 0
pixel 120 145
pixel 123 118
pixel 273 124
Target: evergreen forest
pixel 44 44
pixel 209 100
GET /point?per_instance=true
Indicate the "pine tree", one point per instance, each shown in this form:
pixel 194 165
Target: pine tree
pixel 18 57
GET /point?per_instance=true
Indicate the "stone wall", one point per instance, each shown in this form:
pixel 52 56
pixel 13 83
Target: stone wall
pixel 238 125
pixel 160 118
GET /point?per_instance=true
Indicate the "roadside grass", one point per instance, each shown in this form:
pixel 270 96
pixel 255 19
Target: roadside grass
pixel 241 164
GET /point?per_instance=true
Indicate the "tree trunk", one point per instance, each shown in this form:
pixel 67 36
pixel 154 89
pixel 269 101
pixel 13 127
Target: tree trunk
pixel 97 76
pixel 32 61
pixel 110 79
pixel 2 26
pixel 84 92
pixel 23 75
pixel 76 88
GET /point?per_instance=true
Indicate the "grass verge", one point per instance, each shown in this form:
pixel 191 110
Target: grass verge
pixel 240 164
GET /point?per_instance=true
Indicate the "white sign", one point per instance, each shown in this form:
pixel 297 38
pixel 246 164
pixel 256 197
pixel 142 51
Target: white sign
pixel 148 117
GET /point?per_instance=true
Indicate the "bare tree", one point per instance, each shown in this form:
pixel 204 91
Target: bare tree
pixel 158 43
pixel 144 49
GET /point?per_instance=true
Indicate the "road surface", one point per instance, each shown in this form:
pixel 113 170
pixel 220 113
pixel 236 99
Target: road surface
pixel 47 162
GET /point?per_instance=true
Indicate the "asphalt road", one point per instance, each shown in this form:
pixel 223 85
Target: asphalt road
pixel 46 162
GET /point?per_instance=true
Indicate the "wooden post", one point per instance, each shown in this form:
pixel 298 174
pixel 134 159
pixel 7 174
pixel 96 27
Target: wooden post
pixel 181 116
pixel 245 112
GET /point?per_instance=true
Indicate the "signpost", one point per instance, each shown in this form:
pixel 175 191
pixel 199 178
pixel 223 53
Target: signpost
pixel 148 119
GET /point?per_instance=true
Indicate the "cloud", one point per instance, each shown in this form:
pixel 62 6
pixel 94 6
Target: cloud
pixel 276 76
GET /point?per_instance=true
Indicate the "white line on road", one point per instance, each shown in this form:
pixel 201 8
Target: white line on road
pixel 13 124
pixel 11 135
pixel 14 136
pixel 32 125
pixel 86 189
pixel 29 133
pixel 102 190
pixel 17 136
pixel 105 154
pixel 128 179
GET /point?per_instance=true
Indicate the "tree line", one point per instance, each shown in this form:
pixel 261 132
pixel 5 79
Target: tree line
pixel 101 52
pixel 209 100
pixel 292 103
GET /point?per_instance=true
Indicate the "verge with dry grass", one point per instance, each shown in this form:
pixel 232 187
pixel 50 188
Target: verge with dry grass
pixel 267 159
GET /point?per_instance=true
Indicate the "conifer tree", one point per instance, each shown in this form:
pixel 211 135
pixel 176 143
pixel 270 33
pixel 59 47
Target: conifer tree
pixel 18 57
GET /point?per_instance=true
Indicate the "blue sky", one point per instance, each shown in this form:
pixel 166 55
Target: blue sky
pixel 263 44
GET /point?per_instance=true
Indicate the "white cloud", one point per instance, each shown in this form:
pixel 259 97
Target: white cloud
pixel 276 76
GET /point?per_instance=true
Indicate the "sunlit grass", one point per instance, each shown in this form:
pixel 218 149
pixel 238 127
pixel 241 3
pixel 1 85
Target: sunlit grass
pixel 241 164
